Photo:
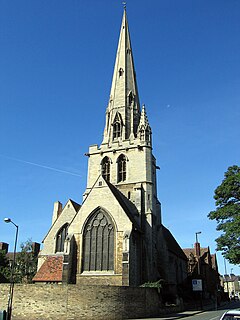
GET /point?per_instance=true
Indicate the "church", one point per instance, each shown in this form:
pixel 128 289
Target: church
pixel 115 237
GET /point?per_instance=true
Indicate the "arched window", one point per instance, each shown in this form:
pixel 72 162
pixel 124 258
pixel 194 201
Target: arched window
pixel 60 238
pixel 121 168
pixel 142 135
pixel 117 127
pixel 120 72
pixel 106 168
pixel 98 243
pixel 130 98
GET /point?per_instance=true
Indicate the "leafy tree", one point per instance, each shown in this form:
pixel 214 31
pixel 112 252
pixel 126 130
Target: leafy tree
pixel 4 267
pixel 26 263
pixel 227 215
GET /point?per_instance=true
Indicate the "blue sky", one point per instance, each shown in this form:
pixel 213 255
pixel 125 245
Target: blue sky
pixel 56 64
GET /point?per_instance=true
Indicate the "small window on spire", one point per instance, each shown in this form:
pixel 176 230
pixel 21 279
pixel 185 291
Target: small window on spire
pixel 120 72
pixel 130 98
pixel 117 127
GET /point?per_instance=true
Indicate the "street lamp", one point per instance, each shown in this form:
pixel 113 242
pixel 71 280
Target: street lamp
pixel 198 254
pixel 197 235
pixel 10 297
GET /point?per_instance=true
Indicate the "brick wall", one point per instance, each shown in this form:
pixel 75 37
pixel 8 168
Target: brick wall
pixel 60 302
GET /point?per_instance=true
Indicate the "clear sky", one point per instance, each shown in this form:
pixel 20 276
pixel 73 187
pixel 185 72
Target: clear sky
pixel 56 64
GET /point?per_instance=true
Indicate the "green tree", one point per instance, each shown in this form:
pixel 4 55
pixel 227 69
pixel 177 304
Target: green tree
pixel 4 267
pixel 227 215
pixel 26 263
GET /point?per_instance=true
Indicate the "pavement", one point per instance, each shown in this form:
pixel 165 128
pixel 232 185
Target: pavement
pixel 189 313
pixel 183 314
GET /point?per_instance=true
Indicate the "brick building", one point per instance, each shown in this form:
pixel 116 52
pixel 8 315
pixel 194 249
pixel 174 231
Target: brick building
pixel 203 265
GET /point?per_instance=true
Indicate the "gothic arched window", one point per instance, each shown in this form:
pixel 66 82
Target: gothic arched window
pixel 106 168
pixel 60 238
pixel 142 134
pixel 98 243
pixel 122 164
pixel 130 98
pixel 120 72
pixel 117 127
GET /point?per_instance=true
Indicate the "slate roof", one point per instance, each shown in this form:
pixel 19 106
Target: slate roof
pixel 126 204
pixel 51 270
pixel 172 244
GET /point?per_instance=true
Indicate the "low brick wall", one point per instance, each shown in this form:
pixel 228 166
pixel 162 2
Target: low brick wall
pixel 60 302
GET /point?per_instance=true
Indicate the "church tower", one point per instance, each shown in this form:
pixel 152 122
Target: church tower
pixel 115 237
pixel 125 159
pixel 125 156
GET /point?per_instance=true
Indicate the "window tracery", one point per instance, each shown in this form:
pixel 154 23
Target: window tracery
pixel 106 163
pixel 117 127
pixel 122 166
pixel 60 238
pixel 98 243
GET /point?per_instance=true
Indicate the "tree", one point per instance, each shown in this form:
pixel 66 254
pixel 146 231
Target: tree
pixel 4 267
pixel 227 215
pixel 26 263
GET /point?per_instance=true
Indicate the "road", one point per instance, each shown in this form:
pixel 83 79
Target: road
pixel 203 315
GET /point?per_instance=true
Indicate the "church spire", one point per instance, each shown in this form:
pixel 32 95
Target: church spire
pixel 123 111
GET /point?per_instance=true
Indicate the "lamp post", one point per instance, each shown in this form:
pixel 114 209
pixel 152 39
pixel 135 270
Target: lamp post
pixel 198 254
pixel 197 235
pixel 198 251
pixel 10 297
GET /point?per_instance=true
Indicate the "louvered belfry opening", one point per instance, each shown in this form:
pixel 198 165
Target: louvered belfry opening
pixel 98 242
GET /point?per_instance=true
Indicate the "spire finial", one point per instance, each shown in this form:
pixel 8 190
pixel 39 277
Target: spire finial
pixel 124 4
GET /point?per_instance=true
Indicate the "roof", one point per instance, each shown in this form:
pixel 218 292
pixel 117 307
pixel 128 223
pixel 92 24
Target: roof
pixel 189 251
pixel 75 205
pixel 126 204
pixel 172 244
pixel 231 278
pixel 51 270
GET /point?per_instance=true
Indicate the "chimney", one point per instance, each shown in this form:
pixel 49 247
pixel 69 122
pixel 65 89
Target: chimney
pixel 35 248
pixel 57 209
pixel 197 249
pixel 4 246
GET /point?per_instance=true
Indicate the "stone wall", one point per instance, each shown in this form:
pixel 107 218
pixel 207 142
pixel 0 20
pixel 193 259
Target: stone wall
pixel 65 302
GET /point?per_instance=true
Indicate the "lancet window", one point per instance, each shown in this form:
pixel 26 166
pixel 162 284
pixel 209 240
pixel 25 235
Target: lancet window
pixel 122 167
pixel 60 238
pixel 130 98
pixel 98 242
pixel 145 134
pixel 117 127
pixel 106 163
pixel 120 72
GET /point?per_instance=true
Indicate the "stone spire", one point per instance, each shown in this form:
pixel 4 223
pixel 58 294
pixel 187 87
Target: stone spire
pixel 123 111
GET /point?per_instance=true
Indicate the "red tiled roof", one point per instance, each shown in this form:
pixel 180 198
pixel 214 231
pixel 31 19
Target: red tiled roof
pixel 51 270
pixel 188 251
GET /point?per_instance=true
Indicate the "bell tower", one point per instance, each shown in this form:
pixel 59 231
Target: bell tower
pixel 125 157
